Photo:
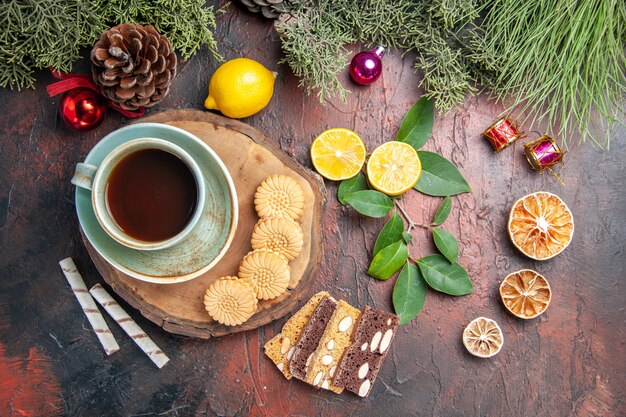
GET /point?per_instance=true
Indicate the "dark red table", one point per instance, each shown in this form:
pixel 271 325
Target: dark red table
pixel 571 361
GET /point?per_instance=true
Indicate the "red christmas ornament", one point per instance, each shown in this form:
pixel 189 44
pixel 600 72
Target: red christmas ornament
pixel 82 108
pixel 503 133
pixel 366 66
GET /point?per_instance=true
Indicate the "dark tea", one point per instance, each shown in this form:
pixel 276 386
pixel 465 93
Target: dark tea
pixel 151 194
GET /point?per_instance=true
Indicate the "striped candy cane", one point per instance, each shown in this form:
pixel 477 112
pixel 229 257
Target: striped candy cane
pixel 89 307
pixel 129 326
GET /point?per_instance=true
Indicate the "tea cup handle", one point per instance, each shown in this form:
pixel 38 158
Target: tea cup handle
pixel 84 175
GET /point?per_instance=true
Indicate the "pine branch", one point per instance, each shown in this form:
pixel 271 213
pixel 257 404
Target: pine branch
pixel 313 39
pixel 50 33
pixel 313 47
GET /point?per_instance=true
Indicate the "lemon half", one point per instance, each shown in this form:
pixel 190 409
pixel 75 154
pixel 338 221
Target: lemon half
pixel 338 154
pixel 394 168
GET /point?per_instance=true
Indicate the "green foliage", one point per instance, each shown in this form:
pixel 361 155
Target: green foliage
pixel 187 23
pixel 443 211
pixel 390 251
pixel 44 33
pixel 50 33
pixel 312 41
pixel 389 260
pixel 417 125
pixel 446 244
pixel 370 203
pixel 314 33
pixel 409 293
pixel 452 13
pixel 439 176
pixel 390 233
pixel 356 183
pixel 563 59
pixel 443 276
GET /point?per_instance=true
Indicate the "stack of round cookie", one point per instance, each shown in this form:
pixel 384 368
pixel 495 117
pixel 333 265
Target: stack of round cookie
pixel 264 273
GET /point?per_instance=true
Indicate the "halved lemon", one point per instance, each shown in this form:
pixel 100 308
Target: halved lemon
pixel 525 293
pixel 541 225
pixel 483 337
pixel 394 168
pixel 338 154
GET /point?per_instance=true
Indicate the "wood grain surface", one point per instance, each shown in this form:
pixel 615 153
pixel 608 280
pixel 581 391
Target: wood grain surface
pixel 568 362
pixel 250 157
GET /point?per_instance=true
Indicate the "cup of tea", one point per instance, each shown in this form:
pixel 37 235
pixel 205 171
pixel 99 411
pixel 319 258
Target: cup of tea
pixel 147 194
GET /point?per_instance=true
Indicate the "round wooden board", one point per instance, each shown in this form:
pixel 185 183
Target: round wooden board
pixel 250 156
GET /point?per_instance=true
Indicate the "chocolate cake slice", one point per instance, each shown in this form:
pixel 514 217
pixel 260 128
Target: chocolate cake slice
pixel 362 360
pixel 282 346
pixel 310 338
pixel 376 330
pixel 333 343
pixel 358 370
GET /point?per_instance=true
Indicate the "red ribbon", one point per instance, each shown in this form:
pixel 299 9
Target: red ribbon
pixel 71 81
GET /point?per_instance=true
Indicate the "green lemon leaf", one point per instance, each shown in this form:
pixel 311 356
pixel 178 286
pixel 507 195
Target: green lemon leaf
pixel 356 183
pixel 390 233
pixel 446 243
pixel 443 211
pixel 440 177
pixel 407 237
pixel 443 276
pixel 370 203
pixel 388 260
pixel 409 293
pixel 417 125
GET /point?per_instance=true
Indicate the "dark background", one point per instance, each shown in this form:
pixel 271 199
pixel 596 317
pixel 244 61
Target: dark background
pixel 570 361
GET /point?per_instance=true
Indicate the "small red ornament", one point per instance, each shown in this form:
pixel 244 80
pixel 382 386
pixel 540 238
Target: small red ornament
pixel 503 133
pixel 82 108
pixel 366 66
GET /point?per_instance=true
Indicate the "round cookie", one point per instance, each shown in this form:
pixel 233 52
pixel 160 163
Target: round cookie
pixel 279 196
pixel 281 235
pixel 266 271
pixel 230 301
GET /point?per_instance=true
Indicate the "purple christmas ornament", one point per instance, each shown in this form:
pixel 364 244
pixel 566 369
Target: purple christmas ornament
pixel 366 66
pixel 543 153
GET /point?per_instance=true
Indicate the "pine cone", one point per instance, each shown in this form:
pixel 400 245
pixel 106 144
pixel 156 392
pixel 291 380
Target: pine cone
pixel 133 65
pixel 266 7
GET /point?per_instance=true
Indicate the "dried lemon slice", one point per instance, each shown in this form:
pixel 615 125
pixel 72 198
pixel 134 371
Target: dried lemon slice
pixel 230 301
pixel 279 196
pixel 281 235
pixel 541 225
pixel 483 337
pixel 394 168
pixel 525 293
pixel 338 154
pixel 266 271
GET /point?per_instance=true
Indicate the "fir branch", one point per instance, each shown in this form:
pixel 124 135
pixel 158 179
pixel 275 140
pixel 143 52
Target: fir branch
pixel 405 24
pixel 38 34
pixel 41 34
pixel 188 28
pixel 564 60
pixel 454 13
pixel 313 47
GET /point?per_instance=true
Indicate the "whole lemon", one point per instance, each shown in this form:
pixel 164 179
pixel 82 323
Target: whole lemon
pixel 240 88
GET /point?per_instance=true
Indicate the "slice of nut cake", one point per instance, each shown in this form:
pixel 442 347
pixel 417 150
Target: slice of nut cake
pixel 310 338
pixel 336 338
pixel 359 367
pixel 281 347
